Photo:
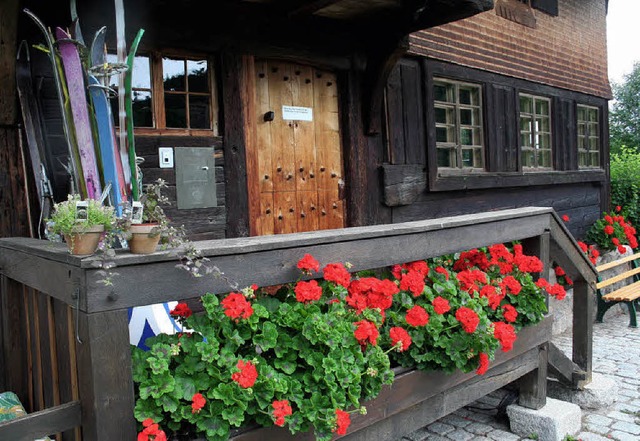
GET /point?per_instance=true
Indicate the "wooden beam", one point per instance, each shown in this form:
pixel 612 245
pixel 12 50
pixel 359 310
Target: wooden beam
pixel 562 367
pixel 40 424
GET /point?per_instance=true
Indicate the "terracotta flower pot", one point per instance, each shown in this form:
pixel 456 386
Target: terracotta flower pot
pixel 85 241
pixel 143 241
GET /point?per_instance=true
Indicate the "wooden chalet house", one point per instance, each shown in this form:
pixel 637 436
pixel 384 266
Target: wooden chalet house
pixel 281 116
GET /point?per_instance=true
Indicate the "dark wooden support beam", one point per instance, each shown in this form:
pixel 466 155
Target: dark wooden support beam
pixel 563 368
pixel 40 424
pixel 105 383
pixel 438 12
pixel 533 386
pixel 582 330
pixel 235 97
pixel 308 8
pixel 381 60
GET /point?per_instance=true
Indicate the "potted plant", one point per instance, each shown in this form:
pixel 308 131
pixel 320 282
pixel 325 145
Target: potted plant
pixel 150 224
pixel 80 223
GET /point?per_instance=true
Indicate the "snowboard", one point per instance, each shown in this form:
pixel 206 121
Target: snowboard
pixel 33 131
pixel 76 88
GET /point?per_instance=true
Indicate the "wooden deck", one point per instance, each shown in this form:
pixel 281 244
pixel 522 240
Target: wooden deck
pixel 83 359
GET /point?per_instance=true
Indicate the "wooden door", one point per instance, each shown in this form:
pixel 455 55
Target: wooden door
pixel 297 148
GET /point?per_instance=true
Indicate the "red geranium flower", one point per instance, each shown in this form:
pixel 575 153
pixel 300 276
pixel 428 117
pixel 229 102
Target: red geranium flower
pixel 366 331
pixel 336 272
pixel 412 281
pixel 281 409
pixel 198 402
pixel 308 264
pixel 236 306
pixel 618 208
pixel 151 432
pixel 398 334
pixel 608 229
pixel 565 218
pixel 443 271
pixel 509 313
pixel 343 420
pixel 441 305
pixel 417 316
pixel 468 319
pixel 505 334
pixel 181 310
pixel 483 363
pixel 308 291
pixel 247 375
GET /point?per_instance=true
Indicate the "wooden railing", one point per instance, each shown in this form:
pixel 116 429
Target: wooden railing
pixel 98 331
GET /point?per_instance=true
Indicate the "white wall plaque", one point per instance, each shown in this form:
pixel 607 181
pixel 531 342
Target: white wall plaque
pixel 297 113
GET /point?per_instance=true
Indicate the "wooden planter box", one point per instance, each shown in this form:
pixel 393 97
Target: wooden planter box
pixel 67 353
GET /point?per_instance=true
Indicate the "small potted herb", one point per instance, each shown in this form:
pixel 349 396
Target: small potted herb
pixel 80 223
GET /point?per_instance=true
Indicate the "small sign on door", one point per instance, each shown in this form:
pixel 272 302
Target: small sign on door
pixel 295 113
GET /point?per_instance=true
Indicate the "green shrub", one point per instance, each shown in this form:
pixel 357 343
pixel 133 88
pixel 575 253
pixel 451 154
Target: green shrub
pixel 625 183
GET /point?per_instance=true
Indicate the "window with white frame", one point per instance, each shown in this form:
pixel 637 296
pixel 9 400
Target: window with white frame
pixel 458 117
pixel 173 93
pixel 588 137
pixel 535 132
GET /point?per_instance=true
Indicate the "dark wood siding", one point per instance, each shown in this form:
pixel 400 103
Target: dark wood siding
pixel 577 193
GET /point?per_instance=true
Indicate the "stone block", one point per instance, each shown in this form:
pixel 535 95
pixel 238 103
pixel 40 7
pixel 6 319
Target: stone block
pixel 553 422
pixel 599 394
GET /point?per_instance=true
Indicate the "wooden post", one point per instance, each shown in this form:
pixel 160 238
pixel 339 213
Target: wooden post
pixel 582 329
pixel 14 369
pixel 105 381
pixel 533 386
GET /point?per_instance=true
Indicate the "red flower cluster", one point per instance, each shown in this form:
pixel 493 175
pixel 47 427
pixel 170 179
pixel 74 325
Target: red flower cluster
pixel 181 310
pixel 469 279
pixel 493 295
pixel 417 316
pixel 308 263
pixel 366 331
pixel 372 293
pixel 198 402
pixel 443 271
pixel 483 364
pixel 556 290
pixel 471 258
pixel 468 319
pixel 501 257
pixel 440 305
pixel 398 334
pixel 565 218
pixel 412 281
pixel 281 409
pixel 509 313
pixel 505 334
pixel 247 375
pixel 236 306
pixel 510 285
pixel 343 420
pixel 151 432
pixel 419 266
pixel 526 264
pixel 590 250
pixel 308 291
pixel 336 272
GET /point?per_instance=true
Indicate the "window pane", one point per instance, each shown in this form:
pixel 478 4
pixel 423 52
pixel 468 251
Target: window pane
pixel 526 140
pixel 581 113
pixel 175 106
pixel 444 115
pixel 198 77
pixel 544 141
pixel 542 107
pixel 466 117
pixel 544 158
pixel 466 137
pixel 141 76
pixel 467 158
pixel 173 75
pixel 593 144
pixel 199 112
pixel 581 129
pixel 526 104
pixel 446 157
pixel 445 134
pixel 593 115
pixel 583 159
pixel 443 92
pixel 542 124
pixel 477 158
pixel 528 158
pixel 526 124
pixel 469 95
pixel 142 109
pixel 595 159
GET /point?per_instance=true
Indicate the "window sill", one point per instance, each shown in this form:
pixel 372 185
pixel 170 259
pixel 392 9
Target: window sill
pixel 477 181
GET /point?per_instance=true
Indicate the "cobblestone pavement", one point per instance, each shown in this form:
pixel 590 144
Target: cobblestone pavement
pixel 616 354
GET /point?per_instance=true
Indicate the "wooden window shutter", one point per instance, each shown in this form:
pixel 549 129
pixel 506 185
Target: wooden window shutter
pixel 548 6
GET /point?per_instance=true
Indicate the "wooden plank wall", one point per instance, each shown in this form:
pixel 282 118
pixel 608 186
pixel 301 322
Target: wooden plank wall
pixel 38 341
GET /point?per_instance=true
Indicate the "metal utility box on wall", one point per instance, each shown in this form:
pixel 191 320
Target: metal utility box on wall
pixel 195 177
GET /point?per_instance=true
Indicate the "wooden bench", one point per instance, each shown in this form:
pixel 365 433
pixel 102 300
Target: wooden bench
pixel 629 293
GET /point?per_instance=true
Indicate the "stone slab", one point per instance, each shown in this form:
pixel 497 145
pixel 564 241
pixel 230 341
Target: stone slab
pixel 553 422
pixel 599 394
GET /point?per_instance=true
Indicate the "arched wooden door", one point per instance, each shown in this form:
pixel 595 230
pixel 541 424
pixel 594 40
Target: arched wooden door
pixel 297 148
